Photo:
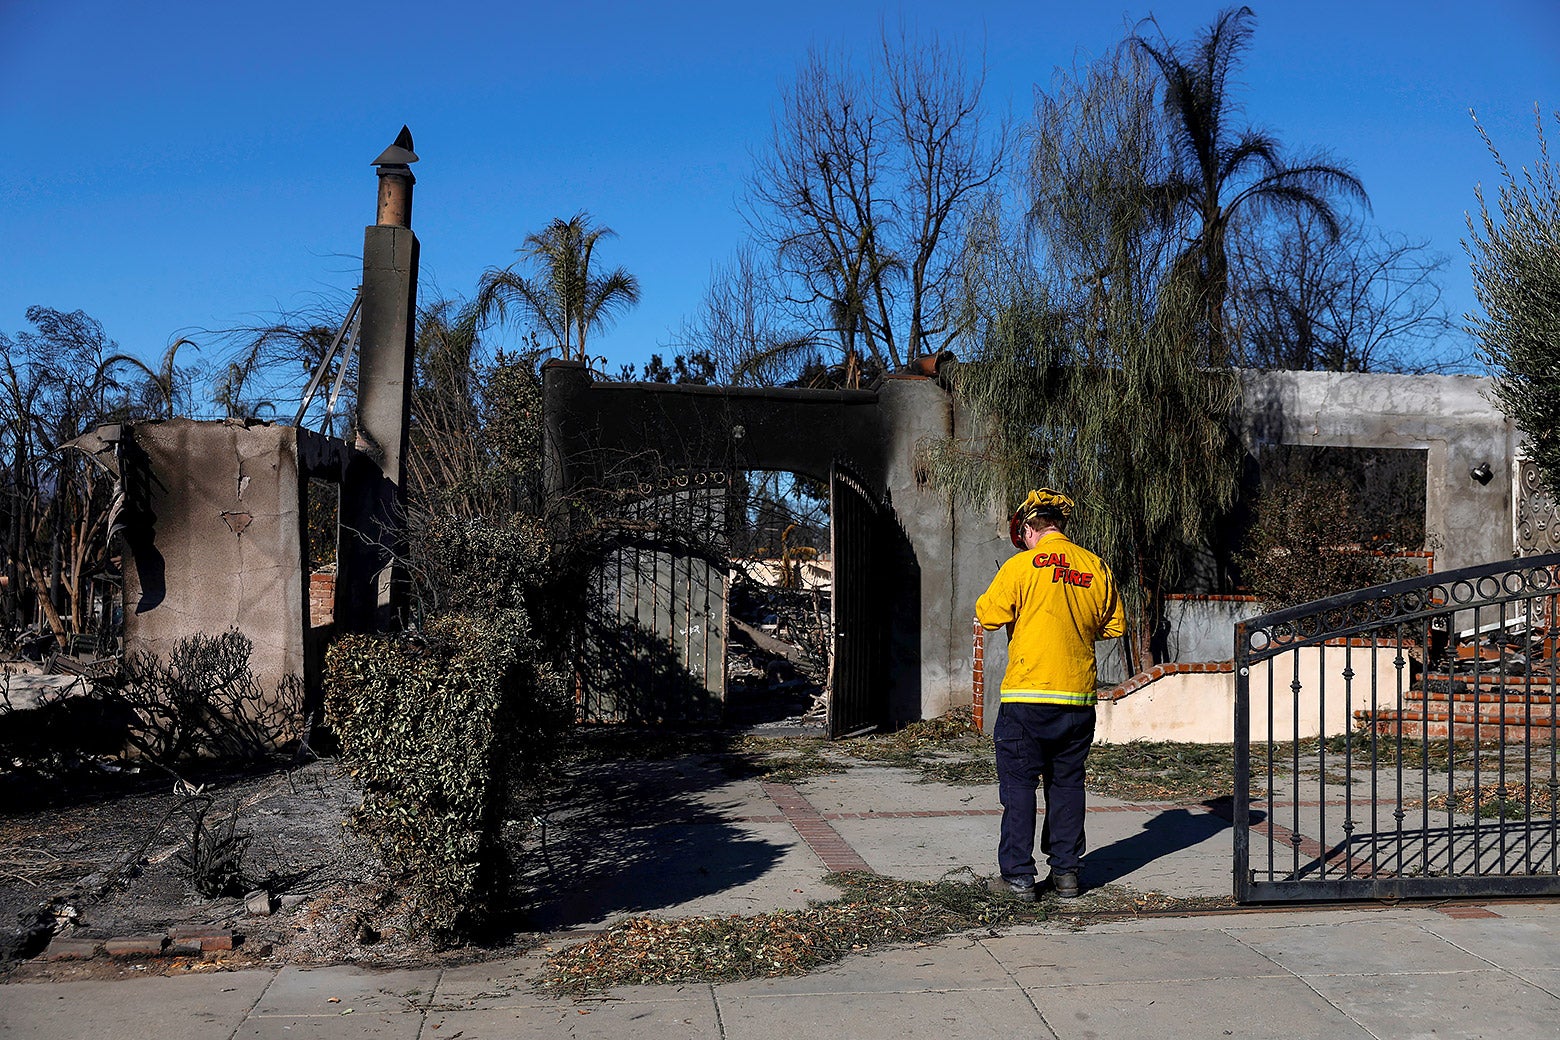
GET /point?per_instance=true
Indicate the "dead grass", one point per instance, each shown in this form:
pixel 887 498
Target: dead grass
pixel 943 750
pixel 947 750
pixel 1110 902
pixel 1488 801
pixel 872 912
pixel 1161 771
pixel 1439 756
pixel 787 760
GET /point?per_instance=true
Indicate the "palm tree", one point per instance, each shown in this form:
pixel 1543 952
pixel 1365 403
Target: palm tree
pixel 567 297
pixel 162 381
pixel 1222 174
pixel 228 391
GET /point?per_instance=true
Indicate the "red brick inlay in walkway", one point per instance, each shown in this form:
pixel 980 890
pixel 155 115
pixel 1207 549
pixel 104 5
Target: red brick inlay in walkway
pixel 823 839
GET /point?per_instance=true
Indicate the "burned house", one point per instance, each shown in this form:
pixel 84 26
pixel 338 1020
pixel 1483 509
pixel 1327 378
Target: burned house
pixel 215 531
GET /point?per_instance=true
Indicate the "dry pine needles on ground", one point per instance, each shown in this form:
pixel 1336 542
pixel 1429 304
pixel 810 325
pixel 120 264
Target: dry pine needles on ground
pixel 873 911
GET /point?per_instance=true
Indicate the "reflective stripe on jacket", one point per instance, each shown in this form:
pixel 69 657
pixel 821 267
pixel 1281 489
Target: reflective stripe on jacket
pixel 1060 598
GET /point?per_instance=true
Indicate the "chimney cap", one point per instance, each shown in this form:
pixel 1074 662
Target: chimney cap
pixel 398 154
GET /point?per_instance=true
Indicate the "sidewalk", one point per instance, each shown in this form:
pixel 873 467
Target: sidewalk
pixel 712 845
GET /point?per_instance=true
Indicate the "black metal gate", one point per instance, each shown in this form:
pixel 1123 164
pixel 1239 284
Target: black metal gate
pixel 654 646
pixel 858 691
pixel 1400 741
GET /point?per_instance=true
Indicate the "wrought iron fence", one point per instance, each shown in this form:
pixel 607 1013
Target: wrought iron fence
pixel 1401 741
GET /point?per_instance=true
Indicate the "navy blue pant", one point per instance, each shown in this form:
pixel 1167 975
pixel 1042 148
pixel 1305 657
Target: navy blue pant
pixel 1035 741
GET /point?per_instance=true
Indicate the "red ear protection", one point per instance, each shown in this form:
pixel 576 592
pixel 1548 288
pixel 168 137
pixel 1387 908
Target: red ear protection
pixel 1016 529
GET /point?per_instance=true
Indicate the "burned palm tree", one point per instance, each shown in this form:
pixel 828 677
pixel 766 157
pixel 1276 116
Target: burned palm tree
pixel 1223 173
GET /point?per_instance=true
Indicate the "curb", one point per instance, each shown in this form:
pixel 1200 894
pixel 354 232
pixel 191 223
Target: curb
pixel 179 941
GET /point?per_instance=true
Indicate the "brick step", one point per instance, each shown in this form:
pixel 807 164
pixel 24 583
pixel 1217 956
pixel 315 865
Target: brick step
pixel 1490 678
pixel 1464 711
pixel 1386 724
pixel 1536 700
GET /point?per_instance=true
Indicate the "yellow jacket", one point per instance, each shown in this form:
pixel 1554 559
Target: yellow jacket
pixel 1059 598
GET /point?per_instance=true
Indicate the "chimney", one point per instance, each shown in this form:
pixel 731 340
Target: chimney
pixel 371 580
pixel 395 182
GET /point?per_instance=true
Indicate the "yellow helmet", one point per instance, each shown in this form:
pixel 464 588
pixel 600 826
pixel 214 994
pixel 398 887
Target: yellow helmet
pixel 1043 501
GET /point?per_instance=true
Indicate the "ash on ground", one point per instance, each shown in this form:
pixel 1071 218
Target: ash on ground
pixel 101 853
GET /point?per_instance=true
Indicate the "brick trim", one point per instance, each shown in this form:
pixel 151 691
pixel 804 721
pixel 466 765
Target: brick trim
pixel 978 681
pixel 193 941
pixel 826 842
pixel 1159 671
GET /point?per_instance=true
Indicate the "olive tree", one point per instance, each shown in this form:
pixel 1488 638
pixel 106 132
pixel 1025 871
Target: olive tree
pixel 1515 252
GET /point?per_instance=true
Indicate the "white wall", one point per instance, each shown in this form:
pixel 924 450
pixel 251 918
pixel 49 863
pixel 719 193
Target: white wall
pixel 1199 707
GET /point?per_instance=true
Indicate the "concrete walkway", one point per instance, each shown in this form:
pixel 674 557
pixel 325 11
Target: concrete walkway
pixel 711 844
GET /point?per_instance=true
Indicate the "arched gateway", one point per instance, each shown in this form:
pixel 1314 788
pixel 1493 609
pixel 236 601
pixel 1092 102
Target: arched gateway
pixel 900 630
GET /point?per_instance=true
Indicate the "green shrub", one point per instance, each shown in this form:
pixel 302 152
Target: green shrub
pixel 446 731
pixel 465 565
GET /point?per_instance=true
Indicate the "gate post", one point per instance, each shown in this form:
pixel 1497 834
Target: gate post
pixel 1240 816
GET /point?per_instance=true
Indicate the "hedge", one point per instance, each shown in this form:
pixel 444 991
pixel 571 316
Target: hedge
pixel 444 730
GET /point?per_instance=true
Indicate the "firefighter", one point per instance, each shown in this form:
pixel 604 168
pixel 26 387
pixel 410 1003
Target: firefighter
pixel 1055 599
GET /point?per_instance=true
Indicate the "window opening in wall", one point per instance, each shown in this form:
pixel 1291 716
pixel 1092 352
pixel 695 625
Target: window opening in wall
pixel 1330 520
pixel 1385 487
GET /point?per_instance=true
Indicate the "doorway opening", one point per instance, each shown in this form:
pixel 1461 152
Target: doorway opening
pixel 741 599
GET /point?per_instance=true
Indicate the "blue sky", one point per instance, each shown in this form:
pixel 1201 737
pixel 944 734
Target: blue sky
pixel 176 166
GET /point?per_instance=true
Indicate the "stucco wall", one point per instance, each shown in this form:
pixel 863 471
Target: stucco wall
pixel 1450 417
pixel 945 553
pixel 214 532
pixel 1202 628
pixel 221 501
pixel 926 674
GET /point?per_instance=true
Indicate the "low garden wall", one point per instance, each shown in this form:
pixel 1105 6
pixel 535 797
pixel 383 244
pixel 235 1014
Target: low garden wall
pixel 1195 703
